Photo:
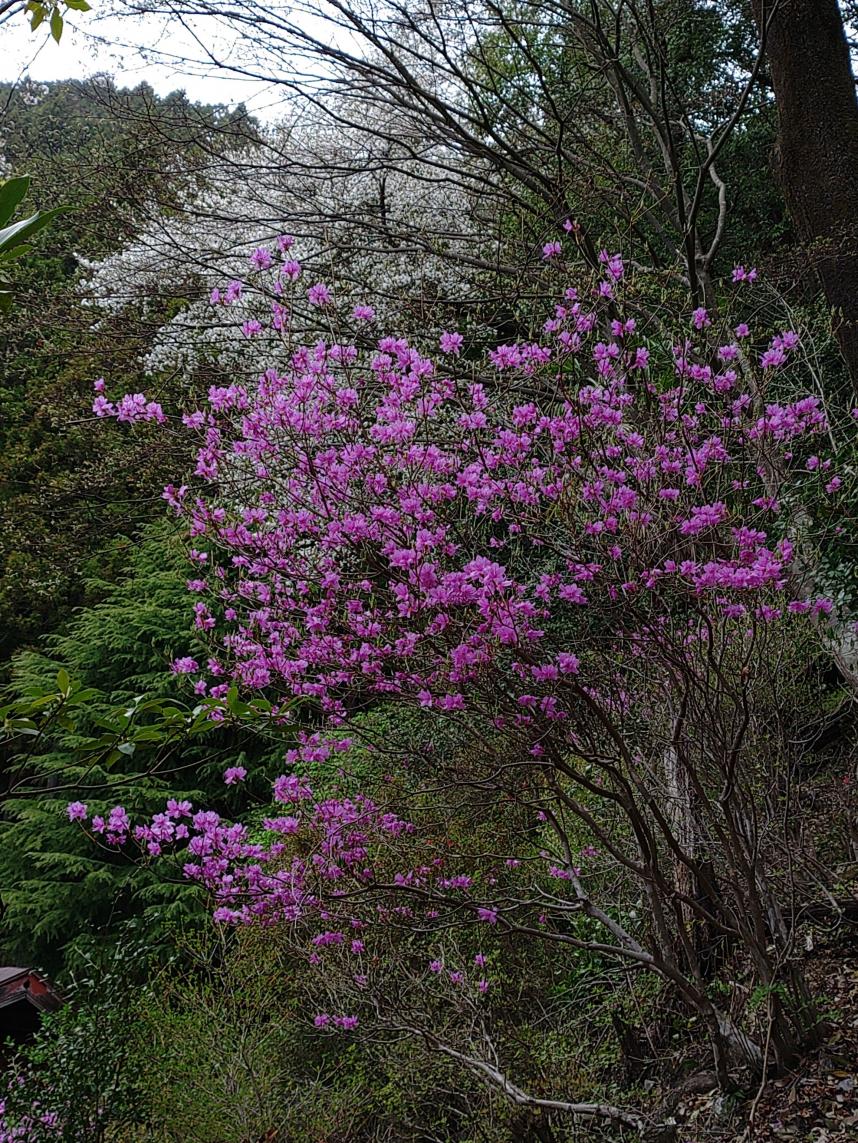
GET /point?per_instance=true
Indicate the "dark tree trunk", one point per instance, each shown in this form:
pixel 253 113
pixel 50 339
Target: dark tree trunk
pixel 818 148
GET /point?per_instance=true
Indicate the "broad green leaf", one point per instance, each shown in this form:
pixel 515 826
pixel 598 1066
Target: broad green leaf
pixel 114 723
pixel 42 701
pixel 172 714
pixel 152 734
pixel 154 704
pixel 12 192
pixel 18 252
pixel 82 696
pixel 56 24
pixel 24 726
pixel 14 234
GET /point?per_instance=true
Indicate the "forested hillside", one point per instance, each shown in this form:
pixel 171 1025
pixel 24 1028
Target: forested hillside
pixel 428 583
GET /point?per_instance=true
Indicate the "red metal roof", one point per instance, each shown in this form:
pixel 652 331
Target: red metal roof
pixel 24 984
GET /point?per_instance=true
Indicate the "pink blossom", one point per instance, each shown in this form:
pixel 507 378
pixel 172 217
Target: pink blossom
pixel 527 548
pixel 701 318
pixel 102 407
pixel 703 517
pixel 740 274
pixel 613 264
pixel 451 343
pixel 319 295
pixel 261 259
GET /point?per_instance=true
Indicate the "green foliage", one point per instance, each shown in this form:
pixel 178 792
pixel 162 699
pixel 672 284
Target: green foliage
pixel 95 716
pixel 52 12
pixel 223 1036
pixel 533 67
pixel 217 1045
pixel 69 483
pixel 15 236
pixel 205 1035
pixel 77 1064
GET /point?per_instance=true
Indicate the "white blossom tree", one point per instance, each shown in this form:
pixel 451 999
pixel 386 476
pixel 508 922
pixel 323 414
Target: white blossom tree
pixel 398 221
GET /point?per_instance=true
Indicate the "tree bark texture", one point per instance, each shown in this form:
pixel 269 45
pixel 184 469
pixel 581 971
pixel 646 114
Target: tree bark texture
pixel 818 147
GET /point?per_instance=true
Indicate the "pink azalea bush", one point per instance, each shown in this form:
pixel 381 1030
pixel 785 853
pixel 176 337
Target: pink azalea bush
pixel 578 550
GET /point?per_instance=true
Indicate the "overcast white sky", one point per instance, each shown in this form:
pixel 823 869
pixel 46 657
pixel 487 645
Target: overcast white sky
pixel 89 45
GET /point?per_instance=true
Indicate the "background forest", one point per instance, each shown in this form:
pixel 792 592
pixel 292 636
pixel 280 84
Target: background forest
pixel 462 747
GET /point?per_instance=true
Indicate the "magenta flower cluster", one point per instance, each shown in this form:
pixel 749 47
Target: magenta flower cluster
pixel 263 882
pixel 488 536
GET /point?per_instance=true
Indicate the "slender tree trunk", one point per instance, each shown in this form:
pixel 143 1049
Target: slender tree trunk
pixel 679 811
pixel 818 147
